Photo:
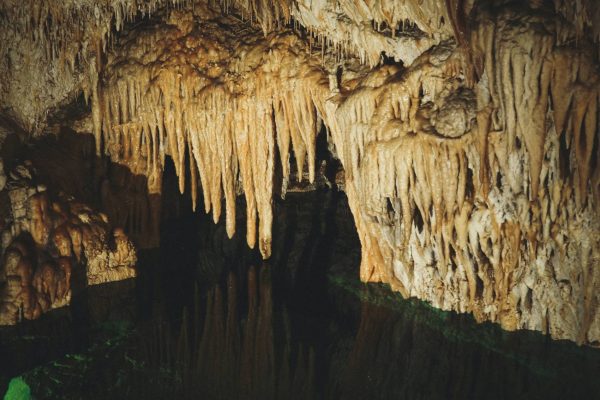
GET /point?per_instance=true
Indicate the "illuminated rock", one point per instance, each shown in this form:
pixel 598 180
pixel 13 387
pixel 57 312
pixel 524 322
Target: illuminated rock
pixel 469 160
pixel 47 240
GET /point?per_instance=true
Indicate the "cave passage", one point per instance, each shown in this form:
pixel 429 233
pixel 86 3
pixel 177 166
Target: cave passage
pixel 300 199
pixel 208 318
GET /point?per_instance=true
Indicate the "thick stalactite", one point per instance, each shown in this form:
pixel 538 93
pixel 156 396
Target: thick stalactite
pixel 470 163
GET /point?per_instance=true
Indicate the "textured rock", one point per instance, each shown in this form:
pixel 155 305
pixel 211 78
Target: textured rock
pixel 53 45
pixel 45 242
pixel 183 81
pixel 471 168
pixel 2 175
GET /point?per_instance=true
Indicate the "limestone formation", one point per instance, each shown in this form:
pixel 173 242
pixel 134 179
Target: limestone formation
pixel 47 241
pixel 2 175
pixel 467 131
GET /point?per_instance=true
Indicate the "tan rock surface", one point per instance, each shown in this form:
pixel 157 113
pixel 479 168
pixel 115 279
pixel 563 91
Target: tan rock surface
pixel 49 238
pixel 470 168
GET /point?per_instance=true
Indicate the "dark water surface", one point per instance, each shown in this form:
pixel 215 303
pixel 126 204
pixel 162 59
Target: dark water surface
pixel 208 319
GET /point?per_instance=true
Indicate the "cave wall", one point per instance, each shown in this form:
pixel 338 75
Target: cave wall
pixel 52 246
pixel 467 130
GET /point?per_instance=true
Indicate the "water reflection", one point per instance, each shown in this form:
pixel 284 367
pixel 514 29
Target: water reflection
pixel 240 344
pixel 226 353
pixel 211 321
pixel 396 356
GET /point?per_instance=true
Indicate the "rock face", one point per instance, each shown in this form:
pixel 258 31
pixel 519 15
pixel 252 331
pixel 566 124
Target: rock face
pixel 49 245
pixel 53 46
pixel 2 176
pixel 470 166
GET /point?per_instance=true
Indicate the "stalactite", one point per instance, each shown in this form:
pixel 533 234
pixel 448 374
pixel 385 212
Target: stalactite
pixel 226 128
pixel 442 207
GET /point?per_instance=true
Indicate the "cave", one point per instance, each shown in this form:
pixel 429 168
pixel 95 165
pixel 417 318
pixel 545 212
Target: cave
pixel 255 199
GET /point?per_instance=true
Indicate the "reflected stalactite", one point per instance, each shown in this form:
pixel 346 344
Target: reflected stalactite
pixel 397 354
pixel 260 333
pixel 229 355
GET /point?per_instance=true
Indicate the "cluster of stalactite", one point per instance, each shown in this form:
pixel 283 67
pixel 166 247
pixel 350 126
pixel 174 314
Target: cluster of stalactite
pixel 50 245
pixel 53 45
pixel 471 169
pixel 583 15
pixel 70 38
pixel 494 213
pixel 56 45
pixel 58 26
pixel 350 28
pixel 220 99
pixel 468 173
